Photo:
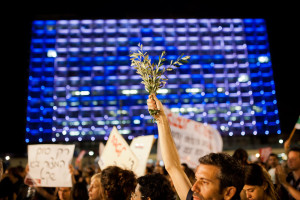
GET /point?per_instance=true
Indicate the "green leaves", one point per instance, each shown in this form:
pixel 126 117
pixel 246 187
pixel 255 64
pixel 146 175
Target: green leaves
pixel 153 75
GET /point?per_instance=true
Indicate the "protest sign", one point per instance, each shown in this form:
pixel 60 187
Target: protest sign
pixel 141 147
pixel 264 153
pixel 193 139
pixel 80 156
pixel 101 148
pixel 49 165
pixel 117 152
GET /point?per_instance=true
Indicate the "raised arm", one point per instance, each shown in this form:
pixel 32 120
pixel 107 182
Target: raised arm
pixel 168 149
pixel 287 143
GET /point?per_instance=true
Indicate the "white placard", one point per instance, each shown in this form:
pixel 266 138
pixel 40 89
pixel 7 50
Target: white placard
pixel 101 148
pixel 141 147
pixel 49 165
pixel 117 152
pixel 193 139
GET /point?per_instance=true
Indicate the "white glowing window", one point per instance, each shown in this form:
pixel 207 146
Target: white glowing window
pixel 51 54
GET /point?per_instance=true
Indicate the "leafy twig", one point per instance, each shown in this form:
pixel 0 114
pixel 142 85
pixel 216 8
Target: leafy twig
pixel 153 75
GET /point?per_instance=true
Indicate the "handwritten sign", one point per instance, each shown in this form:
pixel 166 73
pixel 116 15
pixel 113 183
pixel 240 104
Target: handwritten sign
pixel 117 152
pixel 49 165
pixel 193 139
pixel 101 148
pixel 141 147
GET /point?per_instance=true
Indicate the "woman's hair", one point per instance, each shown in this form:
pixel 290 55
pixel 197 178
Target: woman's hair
pixel 79 191
pixel 118 183
pixel 241 155
pixel 256 175
pixel 156 186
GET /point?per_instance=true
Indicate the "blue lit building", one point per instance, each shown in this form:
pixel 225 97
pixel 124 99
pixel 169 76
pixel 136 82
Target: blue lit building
pixel 81 83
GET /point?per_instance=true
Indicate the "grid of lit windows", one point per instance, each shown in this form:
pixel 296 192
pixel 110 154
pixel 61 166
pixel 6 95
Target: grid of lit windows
pixel 81 83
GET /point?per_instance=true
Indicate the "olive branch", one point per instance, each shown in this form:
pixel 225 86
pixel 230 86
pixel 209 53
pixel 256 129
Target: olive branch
pixel 153 75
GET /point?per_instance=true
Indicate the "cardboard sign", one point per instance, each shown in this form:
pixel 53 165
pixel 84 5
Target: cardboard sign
pixel 101 148
pixel 49 165
pixel 117 152
pixel 264 153
pixel 193 139
pixel 80 157
pixel 141 147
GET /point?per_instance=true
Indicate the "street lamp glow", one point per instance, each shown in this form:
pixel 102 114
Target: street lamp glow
pixel 91 153
pixel 280 141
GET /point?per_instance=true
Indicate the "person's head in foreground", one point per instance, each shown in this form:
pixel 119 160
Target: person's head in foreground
pixel 113 183
pixel 258 184
pixel 218 176
pixel 154 186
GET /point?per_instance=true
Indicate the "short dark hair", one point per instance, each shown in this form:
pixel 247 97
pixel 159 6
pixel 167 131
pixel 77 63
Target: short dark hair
pixel 297 149
pixel 231 171
pixel 274 155
pixel 156 186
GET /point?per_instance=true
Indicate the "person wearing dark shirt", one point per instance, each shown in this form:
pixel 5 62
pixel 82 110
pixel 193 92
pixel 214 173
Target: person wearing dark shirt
pixel 291 182
pixel 10 183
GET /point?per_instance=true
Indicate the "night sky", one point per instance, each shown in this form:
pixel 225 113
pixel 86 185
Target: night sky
pixel 15 24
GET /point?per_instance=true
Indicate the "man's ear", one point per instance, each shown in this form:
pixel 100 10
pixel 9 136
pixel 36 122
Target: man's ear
pixel 229 192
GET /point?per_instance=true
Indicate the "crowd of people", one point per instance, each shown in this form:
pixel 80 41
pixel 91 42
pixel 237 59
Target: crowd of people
pixel 218 176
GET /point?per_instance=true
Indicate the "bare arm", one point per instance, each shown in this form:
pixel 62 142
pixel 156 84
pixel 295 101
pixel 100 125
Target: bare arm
pixel 71 168
pixel 287 143
pixel 168 149
pixel 293 192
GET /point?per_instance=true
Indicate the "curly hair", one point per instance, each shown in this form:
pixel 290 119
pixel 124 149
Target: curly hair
pixel 118 183
pixel 156 186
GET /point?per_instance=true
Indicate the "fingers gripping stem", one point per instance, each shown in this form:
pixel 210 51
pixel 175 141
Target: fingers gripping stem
pixel 153 112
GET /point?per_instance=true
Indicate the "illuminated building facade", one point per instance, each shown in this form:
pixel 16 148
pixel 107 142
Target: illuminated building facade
pixel 81 83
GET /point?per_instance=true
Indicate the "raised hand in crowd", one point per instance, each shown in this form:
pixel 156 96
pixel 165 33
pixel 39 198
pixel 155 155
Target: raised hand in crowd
pixel 214 169
pixel 169 152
